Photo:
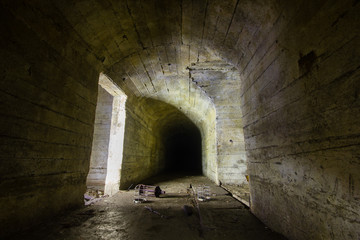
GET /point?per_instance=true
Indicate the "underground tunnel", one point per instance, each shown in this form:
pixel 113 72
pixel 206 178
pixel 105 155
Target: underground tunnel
pixel 169 139
pixel 182 149
pixel 175 144
pixel 272 87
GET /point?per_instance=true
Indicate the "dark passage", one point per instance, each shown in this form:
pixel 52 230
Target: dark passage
pixel 183 149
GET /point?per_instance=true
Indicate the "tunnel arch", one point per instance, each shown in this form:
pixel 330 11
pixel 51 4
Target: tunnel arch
pixel 293 59
pixel 180 138
pixel 154 119
pixel 209 94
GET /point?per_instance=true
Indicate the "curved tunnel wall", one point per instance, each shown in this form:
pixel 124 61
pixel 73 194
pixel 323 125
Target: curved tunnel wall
pixel 185 97
pixel 300 110
pixel 149 140
pixel 298 64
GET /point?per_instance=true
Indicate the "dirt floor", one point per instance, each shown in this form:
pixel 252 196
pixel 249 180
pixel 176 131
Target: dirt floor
pixel 118 217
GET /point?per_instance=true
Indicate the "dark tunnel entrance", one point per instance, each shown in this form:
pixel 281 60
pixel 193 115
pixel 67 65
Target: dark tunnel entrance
pixel 167 143
pixel 183 152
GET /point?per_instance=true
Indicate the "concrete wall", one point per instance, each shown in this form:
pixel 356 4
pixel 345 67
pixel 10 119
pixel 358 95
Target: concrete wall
pixel 108 139
pixel 146 129
pixel 142 155
pixel 186 97
pixel 101 139
pixel 220 83
pixel 300 100
pixel 47 109
pixel 299 79
pixel 116 145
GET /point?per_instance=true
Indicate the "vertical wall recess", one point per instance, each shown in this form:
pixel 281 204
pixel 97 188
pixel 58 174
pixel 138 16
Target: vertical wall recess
pixel 107 148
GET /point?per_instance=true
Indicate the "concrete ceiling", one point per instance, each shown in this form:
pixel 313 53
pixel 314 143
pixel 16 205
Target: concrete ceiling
pixel 142 44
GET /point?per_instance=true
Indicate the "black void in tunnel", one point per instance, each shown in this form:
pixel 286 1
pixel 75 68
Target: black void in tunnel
pixel 182 149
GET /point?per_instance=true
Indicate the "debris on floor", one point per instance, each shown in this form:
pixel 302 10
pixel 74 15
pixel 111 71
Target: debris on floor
pixel 92 196
pixel 203 193
pixel 178 215
pixel 156 212
pixel 142 192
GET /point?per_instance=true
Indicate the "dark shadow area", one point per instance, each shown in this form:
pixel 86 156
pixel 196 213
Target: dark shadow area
pixel 183 152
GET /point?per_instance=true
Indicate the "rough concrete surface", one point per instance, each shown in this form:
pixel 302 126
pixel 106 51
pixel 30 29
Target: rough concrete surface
pixel 118 217
pixel 277 98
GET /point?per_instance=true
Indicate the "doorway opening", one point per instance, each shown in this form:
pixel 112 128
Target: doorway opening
pixel 107 147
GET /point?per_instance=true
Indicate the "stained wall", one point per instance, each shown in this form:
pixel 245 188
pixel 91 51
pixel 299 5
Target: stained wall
pixel 48 99
pixel 299 88
pixel 300 109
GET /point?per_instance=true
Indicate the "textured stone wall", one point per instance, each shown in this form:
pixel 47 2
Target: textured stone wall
pixel 101 138
pixel 299 79
pixel 220 82
pixel 108 139
pixel 187 98
pixel 116 145
pixel 47 109
pixel 142 150
pixel 300 100
pixel 148 126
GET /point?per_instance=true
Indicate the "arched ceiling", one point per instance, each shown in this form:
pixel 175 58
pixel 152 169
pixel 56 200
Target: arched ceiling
pixel 142 43
pixel 148 46
pixel 163 116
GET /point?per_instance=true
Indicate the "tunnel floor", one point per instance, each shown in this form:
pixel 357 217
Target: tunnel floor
pixel 118 217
